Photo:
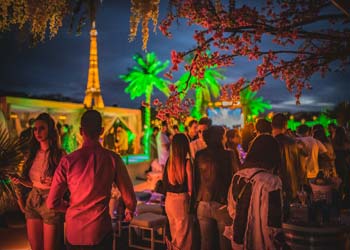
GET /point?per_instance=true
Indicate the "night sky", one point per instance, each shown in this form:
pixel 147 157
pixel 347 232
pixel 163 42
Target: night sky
pixel 61 65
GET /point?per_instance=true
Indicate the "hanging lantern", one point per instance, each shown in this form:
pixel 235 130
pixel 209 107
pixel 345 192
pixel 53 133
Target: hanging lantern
pixel 143 11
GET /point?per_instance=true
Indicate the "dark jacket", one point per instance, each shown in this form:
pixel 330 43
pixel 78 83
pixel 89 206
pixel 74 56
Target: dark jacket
pixel 215 169
pixel 290 171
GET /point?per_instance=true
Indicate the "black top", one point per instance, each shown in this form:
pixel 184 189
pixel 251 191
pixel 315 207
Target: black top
pixel 177 188
pixel 214 168
pixel 291 171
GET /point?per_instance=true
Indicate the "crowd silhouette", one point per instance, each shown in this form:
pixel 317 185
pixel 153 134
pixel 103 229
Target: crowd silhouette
pixel 224 188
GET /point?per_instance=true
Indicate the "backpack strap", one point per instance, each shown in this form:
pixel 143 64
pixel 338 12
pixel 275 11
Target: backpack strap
pixel 245 185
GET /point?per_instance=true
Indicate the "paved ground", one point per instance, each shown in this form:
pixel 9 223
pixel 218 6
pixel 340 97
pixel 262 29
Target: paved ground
pixel 14 236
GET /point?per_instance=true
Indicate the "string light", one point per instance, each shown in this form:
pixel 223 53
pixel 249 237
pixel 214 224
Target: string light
pixel 143 11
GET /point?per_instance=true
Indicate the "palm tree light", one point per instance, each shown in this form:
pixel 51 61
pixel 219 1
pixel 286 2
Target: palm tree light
pixel 142 78
pixel 252 105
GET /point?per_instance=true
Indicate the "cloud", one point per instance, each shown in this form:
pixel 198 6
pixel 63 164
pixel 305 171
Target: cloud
pixel 307 104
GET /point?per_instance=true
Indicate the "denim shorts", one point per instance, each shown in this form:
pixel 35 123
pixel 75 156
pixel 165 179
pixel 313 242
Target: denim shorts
pixel 36 208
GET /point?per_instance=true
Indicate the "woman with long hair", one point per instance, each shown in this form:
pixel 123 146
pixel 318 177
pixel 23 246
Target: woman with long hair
pixel 255 197
pixel 44 226
pixel 178 186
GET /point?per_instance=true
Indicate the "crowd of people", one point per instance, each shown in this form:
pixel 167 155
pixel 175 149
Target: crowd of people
pixel 225 188
pixel 233 187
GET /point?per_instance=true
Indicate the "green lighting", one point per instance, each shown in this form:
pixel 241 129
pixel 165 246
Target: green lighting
pixel 205 88
pixel 321 119
pixel 292 124
pixel 6 181
pixel 182 128
pixel 142 78
pixel 131 136
pixel 252 105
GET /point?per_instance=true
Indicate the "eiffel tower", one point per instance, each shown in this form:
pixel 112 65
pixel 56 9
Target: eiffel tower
pixel 93 91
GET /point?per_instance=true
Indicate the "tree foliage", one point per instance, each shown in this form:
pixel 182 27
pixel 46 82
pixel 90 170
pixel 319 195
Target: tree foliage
pixel 205 88
pixel 42 18
pixel 252 104
pixel 11 158
pixel 307 36
pixel 142 11
pixel 38 16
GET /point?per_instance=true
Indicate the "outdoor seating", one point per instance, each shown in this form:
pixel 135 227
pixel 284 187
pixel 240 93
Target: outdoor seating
pixel 143 196
pixel 147 229
pixel 149 208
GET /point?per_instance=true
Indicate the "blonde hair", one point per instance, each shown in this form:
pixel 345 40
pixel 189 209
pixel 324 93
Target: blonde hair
pixel 179 153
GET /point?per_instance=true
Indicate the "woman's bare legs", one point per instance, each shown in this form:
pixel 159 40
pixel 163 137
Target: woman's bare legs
pixel 35 233
pixel 44 236
pixel 53 237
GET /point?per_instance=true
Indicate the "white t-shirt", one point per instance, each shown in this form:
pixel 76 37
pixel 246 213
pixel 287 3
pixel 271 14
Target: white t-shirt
pixel 313 148
pixel 163 144
pixel 38 168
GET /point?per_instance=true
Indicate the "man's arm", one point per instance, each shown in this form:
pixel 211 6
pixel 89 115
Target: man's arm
pixel 124 184
pixel 58 188
pixel 322 148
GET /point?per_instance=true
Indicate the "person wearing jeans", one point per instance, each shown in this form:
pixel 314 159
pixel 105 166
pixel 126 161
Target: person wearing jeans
pixel 215 167
pixel 210 215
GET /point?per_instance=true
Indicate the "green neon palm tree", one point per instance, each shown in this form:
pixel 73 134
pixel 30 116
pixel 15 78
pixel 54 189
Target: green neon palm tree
pixel 10 157
pixel 207 87
pixel 142 78
pixel 252 105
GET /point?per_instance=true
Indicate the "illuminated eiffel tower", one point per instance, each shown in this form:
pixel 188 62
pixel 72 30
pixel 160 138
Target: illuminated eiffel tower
pixel 93 91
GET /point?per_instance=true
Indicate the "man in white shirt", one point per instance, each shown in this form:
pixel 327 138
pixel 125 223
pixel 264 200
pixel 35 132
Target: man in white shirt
pixel 163 144
pixel 313 148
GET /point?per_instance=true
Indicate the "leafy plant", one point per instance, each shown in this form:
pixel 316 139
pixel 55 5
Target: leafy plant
pixel 205 88
pixel 11 158
pixel 252 105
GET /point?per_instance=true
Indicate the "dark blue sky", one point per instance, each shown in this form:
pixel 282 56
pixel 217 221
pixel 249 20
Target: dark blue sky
pixel 61 65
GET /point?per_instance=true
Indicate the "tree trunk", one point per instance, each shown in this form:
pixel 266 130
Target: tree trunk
pixel 147 128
